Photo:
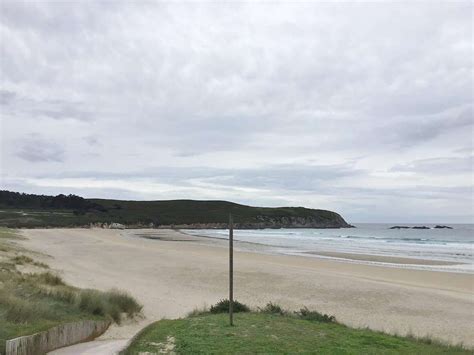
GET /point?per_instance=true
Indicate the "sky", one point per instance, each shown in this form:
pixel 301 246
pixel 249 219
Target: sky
pixel 362 108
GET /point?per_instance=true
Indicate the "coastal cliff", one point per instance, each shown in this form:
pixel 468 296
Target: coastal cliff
pixel 272 223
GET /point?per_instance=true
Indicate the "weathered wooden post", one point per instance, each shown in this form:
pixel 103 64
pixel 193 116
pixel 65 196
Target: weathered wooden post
pixel 231 270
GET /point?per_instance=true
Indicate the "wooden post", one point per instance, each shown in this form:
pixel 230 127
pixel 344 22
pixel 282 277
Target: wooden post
pixel 231 270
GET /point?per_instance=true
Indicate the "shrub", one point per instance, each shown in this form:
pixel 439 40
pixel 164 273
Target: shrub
pixel 109 304
pixel 124 301
pixel 22 259
pixel 223 307
pixel 64 293
pixel 91 301
pixel 272 308
pixel 48 278
pixel 305 313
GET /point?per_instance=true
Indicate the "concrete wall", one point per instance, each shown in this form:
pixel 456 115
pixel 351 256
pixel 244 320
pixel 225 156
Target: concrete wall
pixel 57 337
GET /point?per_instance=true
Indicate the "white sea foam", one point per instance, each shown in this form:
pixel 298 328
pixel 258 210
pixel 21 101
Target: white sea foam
pixel 449 245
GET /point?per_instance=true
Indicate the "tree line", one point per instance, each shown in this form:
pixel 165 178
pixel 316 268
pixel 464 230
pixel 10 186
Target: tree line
pixel 22 200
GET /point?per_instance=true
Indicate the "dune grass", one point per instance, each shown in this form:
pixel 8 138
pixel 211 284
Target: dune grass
pixel 30 303
pixel 24 259
pixel 273 330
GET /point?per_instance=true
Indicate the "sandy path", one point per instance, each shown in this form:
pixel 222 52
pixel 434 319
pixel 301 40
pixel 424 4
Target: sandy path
pixel 170 278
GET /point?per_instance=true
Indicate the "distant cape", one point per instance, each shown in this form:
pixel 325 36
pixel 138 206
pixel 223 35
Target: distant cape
pixel 28 210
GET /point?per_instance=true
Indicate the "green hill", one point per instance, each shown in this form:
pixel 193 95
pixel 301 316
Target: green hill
pixel 25 210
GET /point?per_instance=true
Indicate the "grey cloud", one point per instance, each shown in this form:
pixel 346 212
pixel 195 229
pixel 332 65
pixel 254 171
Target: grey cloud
pixel 16 104
pixel 420 129
pixel 92 141
pixel 217 96
pixel 36 149
pixel 452 165
pixel 6 97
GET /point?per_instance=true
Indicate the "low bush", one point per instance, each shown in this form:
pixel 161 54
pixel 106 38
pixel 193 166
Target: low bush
pixel 65 294
pixel 306 314
pixel 95 302
pixel 272 308
pixel 124 301
pixel 109 304
pixel 22 259
pixel 223 307
pixel 48 278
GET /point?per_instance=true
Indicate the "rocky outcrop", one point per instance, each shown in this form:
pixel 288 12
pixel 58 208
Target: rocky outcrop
pixel 443 227
pixel 415 227
pixel 262 222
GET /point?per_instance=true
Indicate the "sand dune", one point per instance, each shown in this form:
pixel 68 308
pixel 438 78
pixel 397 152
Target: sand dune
pixel 174 273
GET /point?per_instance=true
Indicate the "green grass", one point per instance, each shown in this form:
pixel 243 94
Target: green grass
pixel 263 333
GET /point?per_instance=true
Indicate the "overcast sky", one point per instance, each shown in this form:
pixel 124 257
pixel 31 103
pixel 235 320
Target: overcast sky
pixel 365 109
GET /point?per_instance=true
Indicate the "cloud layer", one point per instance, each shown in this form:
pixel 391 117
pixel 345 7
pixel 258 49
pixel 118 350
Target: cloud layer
pixel 366 109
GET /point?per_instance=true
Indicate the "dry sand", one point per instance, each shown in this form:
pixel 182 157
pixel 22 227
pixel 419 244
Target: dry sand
pixel 174 273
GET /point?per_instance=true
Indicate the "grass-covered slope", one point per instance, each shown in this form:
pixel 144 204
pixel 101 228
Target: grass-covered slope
pixel 261 333
pixel 21 210
pixel 38 300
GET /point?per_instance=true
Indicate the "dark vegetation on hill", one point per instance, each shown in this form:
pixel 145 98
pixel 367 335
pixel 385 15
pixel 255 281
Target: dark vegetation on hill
pixel 72 202
pixel 26 210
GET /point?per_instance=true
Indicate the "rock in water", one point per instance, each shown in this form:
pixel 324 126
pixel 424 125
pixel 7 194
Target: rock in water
pixel 443 227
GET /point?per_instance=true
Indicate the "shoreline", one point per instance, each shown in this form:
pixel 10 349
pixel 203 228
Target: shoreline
pixel 388 261
pixel 176 273
pixel 383 258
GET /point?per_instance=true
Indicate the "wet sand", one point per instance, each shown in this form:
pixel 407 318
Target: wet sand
pixel 382 258
pixel 171 274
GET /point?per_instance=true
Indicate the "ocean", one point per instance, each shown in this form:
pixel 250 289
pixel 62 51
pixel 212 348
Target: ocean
pixel 375 239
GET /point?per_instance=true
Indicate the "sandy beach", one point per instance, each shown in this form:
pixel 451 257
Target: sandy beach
pixel 171 274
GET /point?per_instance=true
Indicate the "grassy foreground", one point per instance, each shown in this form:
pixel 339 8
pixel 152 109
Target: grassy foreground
pixel 264 333
pixel 38 300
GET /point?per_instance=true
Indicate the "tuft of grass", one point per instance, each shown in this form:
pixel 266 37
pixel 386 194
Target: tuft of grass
pixel 108 304
pixel 306 314
pixel 23 259
pixel 64 294
pixel 124 302
pixel 48 278
pixel 93 302
pixel 198 311
pixel 21 311
pixel 272 308
pixel 223 307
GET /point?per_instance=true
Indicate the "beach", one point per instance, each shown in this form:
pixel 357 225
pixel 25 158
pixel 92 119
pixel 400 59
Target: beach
pixel 172 273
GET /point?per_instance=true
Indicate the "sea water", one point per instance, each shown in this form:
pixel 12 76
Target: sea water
pixel 448 245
